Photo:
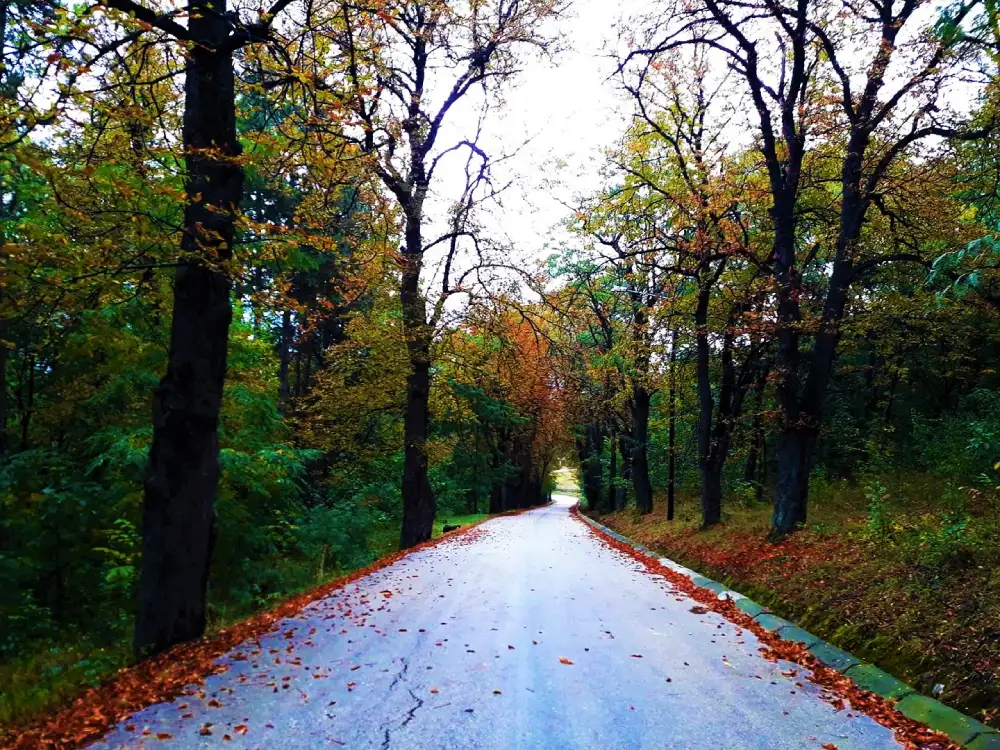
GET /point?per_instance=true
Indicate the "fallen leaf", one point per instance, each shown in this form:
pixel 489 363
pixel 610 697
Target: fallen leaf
pixel 564 660
pixel 241 729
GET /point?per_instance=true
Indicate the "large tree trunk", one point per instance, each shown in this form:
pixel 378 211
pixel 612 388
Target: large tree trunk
pixel 419 504
pixel 178 523
pixel 640 450
pixel 711 494
pixel 787 495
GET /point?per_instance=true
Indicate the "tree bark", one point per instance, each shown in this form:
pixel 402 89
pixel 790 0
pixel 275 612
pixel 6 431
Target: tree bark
pixel 182 474
pixel 787 494
pixel 711 495
pixel 419 504
pixel 640 450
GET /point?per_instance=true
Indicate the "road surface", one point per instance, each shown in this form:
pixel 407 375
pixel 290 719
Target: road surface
pixel 529 633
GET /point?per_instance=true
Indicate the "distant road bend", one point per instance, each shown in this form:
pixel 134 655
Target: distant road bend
pixel 527 633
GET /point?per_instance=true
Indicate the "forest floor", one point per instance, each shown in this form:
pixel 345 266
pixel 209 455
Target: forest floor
pixel 912 591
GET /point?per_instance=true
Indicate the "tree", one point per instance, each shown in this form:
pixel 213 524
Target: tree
pixel 183 470
pixel 812 88
pixel 410 66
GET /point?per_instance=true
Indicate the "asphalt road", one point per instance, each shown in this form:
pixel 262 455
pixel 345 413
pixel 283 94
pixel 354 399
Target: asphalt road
pixel 466 644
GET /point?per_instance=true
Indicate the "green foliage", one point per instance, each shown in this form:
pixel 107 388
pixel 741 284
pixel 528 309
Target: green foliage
pixel 947 541
pixel 878 525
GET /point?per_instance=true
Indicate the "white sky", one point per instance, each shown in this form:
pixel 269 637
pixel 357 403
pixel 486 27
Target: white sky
pixel 557 117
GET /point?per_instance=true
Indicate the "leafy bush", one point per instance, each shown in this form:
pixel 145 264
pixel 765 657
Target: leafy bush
pixel 878 525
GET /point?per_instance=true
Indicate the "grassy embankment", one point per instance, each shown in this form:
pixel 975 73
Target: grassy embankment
pixel 890 578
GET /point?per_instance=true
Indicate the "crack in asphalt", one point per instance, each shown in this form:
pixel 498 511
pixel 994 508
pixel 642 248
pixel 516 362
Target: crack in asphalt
pixel 400 677
pixel 412 711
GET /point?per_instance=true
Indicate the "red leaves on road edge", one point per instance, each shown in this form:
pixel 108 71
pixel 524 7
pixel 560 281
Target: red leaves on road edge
pixel 911 734
pixel 164 676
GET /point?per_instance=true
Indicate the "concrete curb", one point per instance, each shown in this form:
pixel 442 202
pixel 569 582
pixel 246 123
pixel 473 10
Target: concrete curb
pixel 962 729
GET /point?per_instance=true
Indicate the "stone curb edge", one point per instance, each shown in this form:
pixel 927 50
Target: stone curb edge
pixel 962 729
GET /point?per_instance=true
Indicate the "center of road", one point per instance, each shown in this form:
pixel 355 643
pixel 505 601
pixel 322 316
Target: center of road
pixel 526 632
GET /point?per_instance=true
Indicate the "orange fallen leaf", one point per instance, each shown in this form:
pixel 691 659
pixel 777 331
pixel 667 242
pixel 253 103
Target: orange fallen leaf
pixel 241 729
pixel 434 691
pixel 164 736
pixel 564 660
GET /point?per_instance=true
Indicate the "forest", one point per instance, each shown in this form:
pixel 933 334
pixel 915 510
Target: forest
pixel 258 329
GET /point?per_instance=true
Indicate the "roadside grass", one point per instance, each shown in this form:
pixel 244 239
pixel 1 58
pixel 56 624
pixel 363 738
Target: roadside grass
pixel 51 676
pixel 898 581
pixel 55 672
pixel 460 520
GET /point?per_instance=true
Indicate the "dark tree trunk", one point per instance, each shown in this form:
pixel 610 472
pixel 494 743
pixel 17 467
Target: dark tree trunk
pixel 496 499
pixel 178 524
pixel 711 495
pixel 672 430
pixel 787 493
pixel 640 450
pixel 419 504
